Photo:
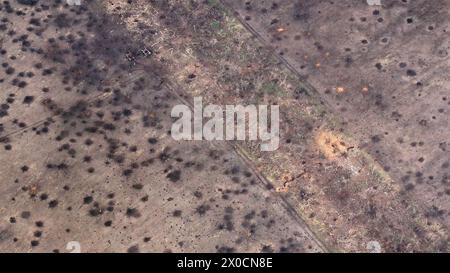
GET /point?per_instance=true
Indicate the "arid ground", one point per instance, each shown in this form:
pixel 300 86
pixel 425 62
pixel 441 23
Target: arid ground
pixel 87 157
